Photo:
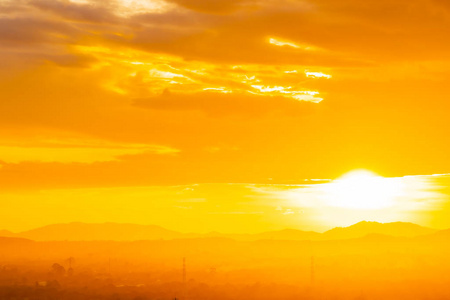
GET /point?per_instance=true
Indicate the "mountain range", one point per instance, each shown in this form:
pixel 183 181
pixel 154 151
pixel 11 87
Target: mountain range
pixel 131 232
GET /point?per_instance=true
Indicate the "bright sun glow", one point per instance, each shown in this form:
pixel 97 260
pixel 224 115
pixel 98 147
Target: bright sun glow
pixel 361 189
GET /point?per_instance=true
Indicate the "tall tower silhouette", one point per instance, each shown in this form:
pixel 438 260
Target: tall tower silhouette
pixel 184 270
pixel 184 279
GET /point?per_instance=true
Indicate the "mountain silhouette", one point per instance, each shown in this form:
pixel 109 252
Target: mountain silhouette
pixel 361 229
pixel 285 234
pixel 7 233
pixel 104 231
pixel 131 232
pixel 13 242
pixel 441 236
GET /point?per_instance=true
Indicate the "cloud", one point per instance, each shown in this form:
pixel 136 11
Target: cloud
pixel 81 12
pixel 237 213
pixel 215 6
pixel 32 31
pixel 220 104
pixel 317 75
pixel 81 152
pixel 183 30
pixel 99 69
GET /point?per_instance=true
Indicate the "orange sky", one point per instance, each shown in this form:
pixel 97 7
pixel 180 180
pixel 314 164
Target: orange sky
pixel 129 94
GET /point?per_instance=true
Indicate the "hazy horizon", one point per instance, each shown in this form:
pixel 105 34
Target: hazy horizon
pixel 206 232
pixel 311 205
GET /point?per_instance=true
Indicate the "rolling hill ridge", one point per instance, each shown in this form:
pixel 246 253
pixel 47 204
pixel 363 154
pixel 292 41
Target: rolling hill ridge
pixel 131 232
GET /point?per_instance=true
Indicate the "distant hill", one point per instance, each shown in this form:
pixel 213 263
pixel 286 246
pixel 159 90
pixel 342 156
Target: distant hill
pixel 6 233
pixel 438 236
pixel 12 241
pixel 289 234
pixel 104 231
pixel 361 229
pixel 134 232
pixel 286 234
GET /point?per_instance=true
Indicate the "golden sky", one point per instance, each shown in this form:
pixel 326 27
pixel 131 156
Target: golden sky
pixel 133 97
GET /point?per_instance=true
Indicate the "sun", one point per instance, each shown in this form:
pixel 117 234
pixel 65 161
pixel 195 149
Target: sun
pixel 362 189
